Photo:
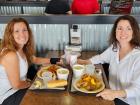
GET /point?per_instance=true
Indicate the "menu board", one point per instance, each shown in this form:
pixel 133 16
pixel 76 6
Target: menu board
pixel 120 6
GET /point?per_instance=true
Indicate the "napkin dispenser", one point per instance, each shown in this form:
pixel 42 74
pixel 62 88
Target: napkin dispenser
pixel 75 35
pixel 73 48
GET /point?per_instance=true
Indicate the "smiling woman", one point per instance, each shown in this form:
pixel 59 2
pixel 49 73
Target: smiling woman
pixel 16 54
pixel 123 55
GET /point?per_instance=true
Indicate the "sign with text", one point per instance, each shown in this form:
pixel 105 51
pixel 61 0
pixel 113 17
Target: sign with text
pixel 121 6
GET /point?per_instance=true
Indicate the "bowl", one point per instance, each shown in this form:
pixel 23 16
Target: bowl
pixel 62 73
pixel 78 70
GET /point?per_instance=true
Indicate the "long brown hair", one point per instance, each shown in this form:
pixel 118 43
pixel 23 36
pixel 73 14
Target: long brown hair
pixel 135 41
pixel 9 43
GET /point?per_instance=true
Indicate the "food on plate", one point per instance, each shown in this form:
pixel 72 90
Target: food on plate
pixel 51 68
pixel 89 82
pixel 56 83
pixel 46 74
pixel 37 84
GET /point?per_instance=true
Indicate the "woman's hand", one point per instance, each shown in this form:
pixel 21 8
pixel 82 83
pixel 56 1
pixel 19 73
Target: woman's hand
pixel 109 94
pixel 60 62
pixel 54 60
pixel 80 61
pixel 29 82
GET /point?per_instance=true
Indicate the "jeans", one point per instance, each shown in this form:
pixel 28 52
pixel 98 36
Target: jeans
pixel 15 99
pixel 120 102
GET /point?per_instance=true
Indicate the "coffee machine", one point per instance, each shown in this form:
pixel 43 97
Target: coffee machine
pixel 75 39
pixel 75 35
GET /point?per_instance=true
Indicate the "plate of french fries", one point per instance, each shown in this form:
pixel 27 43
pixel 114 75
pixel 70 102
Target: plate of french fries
pixel 89 84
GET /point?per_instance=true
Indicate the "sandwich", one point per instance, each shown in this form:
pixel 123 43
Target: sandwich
pixel 56 83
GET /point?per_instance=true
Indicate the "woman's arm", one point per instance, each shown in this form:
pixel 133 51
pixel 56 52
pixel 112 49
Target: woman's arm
pixel 69 12
pixel 80 61
pixel 40 60
pixel 101 58
pixel 11 63
pixel 133 87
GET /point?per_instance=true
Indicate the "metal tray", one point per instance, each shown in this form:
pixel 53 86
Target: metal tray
pixel 100 72
pixel 44 86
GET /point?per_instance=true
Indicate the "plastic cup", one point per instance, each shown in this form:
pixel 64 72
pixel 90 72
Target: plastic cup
pixel 90 69
pixel 47 76
pixel 73 60
pixel 67 56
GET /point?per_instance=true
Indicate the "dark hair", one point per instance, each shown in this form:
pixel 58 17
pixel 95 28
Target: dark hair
pixel 135 41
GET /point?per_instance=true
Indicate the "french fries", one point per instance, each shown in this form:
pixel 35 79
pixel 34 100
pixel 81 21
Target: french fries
pixel 89 82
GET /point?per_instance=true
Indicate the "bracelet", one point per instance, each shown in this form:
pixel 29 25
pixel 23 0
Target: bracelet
pixel 54 60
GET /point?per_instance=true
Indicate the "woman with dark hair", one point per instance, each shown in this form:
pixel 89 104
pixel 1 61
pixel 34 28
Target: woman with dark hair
pixel 17 53
pixel 123 55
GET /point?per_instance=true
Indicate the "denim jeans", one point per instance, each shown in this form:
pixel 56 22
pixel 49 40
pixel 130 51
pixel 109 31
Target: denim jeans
pixel 15 99
pixel 120 102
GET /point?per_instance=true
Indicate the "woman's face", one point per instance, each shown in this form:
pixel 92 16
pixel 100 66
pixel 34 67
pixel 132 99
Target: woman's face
pixel 20 34
pixel 124 32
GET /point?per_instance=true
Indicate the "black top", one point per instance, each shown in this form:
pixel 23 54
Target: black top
pixel 57 7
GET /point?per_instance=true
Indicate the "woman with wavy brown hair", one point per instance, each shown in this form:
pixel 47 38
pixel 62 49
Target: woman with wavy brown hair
pixel 16 54
pixel 9 43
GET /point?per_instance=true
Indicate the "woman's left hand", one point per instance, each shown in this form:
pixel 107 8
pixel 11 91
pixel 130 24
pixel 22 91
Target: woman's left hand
pixel 60 62
pixel 107 94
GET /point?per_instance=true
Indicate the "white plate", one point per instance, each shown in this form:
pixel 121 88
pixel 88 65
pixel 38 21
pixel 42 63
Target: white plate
pixel 40 72
pixel 86 91
pixel 45 69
